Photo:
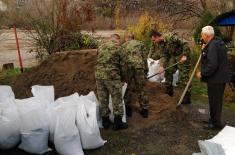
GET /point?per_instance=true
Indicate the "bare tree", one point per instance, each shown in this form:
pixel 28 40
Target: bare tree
pixel 54 25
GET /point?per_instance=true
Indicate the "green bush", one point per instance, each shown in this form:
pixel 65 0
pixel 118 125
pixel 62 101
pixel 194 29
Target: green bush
pixel 195 53
pixel 6 76
pixel 76 41
pixel 205 20
pixel 89 42
pixel 143 27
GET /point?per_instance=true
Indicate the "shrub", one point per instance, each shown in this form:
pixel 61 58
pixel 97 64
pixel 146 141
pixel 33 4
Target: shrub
pixel 205 20
pixel 89 42
pixel 143 27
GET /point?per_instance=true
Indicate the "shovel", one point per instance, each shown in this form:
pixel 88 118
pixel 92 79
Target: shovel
pixel 179 110
pixel 164 70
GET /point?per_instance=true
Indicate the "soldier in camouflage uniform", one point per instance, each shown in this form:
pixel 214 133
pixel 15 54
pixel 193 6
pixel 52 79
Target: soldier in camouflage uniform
pixel 136 64
pixel 170 49
pixel 108 81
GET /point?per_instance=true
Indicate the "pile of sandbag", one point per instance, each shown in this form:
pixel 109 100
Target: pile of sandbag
pixel 222 144
pixel 154 68
pixel 71 123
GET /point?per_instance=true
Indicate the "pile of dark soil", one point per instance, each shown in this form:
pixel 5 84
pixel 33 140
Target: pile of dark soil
pixel 68 72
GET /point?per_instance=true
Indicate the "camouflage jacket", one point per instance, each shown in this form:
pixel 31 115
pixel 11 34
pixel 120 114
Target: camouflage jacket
pixel 169 50
pixel 108 65
pixel 135 54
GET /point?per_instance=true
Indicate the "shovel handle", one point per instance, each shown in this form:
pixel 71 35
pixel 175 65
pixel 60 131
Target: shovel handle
pixel 164 70
pixel 190 80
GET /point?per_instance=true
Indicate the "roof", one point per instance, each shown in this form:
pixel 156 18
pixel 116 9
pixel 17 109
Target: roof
pixel 225 19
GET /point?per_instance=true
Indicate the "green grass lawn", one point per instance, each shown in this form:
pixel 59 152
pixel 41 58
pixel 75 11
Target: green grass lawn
pixel 198 88
pixel 6 76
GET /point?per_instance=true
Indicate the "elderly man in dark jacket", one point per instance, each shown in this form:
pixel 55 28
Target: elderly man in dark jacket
pixel 215 72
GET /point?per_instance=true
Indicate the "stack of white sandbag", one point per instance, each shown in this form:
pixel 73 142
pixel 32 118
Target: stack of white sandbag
pixel 154 68
pixel 222 144
pixel 71 123
pixel 9 119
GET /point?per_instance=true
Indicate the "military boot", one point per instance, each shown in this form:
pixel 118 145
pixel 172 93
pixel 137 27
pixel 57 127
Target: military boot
pixel 144 113
pixel 106 122
pixel 169 90
pixel 118 124
pixel 187 98
pixel 128 111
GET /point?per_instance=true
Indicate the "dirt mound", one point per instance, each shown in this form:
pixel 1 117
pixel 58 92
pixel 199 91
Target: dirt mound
pixel 160 104
pixel 69 72
pixel 72 72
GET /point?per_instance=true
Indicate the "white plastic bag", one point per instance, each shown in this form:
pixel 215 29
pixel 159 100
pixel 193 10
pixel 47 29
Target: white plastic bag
pixel 209 148
pixel 226 138
pixel 154 66
pixel 175 78
pixel 92 97
pixel 221 144
pixel 9 125
pixel 63 102
pixel 111 116
pixel 44 92
pixel 34 125
pixel 28 104
pixel 53 113
pixel 6 92
pixel 67 138
pixel 67 100
pixel 87 124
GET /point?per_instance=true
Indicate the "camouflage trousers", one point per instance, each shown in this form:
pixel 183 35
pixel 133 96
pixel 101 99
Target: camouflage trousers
pixel 184 73
pixel 137 80
pixel 113 88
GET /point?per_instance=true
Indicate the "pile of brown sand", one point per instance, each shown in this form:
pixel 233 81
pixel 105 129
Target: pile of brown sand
pixel 71 72
pixel 68 72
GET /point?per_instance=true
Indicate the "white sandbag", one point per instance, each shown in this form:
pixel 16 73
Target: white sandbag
pixel 226 138
pixel 67 100
pixel 210 148
pixel 53 113
pixel 67 138
pixel 153 67
pixel 87 124
pixel 175 78
pixel 92 97
pixel 111 116
pixel 62 102
pixel 9 126
pixel 221 144
pixel 28 104
pixel 6 92
pixel 44 92
pixel 34 131
pixel 34 125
